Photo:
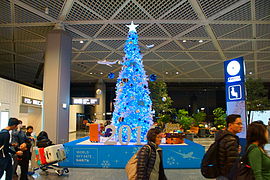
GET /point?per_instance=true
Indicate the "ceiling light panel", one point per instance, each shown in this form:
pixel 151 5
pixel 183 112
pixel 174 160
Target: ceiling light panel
pixel 25 16
pixel 53 6
pixel 5 15
pixel 77 44
pixel 131 11
pixel 78 12
pixel 183 12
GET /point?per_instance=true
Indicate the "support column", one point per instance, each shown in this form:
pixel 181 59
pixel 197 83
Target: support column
pixel 101 108
pixel 56 85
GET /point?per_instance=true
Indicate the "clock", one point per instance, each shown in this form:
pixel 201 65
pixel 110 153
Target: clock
pixel 233 68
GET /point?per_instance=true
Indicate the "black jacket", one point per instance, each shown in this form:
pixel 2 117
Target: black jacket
pixel 4 141
pixel 228 151
pixel 146 162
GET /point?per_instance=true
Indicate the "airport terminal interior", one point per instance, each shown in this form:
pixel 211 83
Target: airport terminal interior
pixel 97 75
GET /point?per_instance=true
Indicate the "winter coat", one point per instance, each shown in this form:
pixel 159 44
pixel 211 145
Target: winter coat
pixel 146 162
pixel 228 151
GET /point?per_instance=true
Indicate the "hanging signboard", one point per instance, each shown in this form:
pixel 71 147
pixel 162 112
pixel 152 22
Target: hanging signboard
pixel 85 101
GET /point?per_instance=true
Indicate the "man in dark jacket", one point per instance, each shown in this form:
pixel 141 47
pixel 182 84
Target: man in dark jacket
pixel 5 158
pixel 229 147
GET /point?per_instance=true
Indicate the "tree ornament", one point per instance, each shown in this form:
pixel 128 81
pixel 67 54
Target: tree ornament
pixel 153 77
pixel 137 111
pixel 164 99
pixel 98 92
pixel 111 75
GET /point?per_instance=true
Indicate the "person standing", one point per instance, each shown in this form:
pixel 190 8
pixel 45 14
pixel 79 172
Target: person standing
pixel 24 144
pixel 149 165
pixel 229 148
pixel 5 158
pixel 257 136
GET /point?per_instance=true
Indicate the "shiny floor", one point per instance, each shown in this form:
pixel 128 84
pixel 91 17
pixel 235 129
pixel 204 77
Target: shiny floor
pixel 115 174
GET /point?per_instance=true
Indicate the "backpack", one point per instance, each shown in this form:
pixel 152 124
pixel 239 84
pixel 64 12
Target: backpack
pixel 241 169
pixel 131 167
pixel 210 164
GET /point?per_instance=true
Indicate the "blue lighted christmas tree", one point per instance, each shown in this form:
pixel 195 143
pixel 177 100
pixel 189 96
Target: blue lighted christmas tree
pixel 132 105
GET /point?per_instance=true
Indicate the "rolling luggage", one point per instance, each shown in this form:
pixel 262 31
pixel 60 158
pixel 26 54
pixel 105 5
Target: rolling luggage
pixel 94 132
pixel 42 156
pixel 55 153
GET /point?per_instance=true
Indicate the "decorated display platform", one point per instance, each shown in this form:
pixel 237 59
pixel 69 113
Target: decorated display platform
pixel 83 153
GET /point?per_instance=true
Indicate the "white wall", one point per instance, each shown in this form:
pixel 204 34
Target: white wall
pixel 11 97
pixel 73 110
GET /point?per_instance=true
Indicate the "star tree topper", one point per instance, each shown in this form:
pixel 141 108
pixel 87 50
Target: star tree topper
pixel 132 27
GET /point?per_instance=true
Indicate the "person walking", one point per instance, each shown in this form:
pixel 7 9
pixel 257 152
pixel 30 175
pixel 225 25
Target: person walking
pixel 229 148
pixel 149 165
pixel 257 136
pixel 5 151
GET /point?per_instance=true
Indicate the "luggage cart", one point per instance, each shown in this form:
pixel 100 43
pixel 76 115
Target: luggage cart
pixel 53 164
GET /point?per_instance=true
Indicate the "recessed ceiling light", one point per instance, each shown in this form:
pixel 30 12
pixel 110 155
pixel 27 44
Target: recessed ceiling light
pixel 101 72
pixel 184 40
pixel 81 41
pixel 250 72
pixel 166 73
pixel 90 73
pixel 200 41
pixel 46 10
pixel 177 73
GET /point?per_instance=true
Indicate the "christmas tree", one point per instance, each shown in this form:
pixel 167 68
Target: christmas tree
pixel 132 105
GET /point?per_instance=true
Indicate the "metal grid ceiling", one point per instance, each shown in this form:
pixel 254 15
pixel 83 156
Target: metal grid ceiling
pixel 190 38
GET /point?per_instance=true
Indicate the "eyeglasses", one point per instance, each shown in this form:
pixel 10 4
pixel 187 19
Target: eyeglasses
pixel 239 124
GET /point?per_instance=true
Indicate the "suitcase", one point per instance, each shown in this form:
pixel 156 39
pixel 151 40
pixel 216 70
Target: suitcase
pixel 42 156
pixel 94 132
pixel 55 153
pixel 35 160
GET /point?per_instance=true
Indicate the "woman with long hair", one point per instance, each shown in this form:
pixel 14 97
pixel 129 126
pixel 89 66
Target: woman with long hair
pixel 257 136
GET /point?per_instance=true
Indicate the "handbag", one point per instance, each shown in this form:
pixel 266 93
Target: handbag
pixel 241 169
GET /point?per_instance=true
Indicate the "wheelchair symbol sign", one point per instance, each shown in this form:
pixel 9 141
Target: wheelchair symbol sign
pixel 235 92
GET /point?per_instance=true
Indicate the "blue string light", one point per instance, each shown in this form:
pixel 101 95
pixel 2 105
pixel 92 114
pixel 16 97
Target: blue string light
pixel 133 106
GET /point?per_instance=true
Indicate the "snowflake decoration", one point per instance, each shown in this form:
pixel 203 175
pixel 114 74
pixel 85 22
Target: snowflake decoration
pixel 105 164
pixel 135 149
pixel 171 161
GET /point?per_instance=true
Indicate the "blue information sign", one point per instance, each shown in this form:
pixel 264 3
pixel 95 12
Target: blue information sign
pixel 234 73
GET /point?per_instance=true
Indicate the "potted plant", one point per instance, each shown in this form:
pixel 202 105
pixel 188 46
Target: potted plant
pixel 184 119
pixel 199 117
pixel 220 118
